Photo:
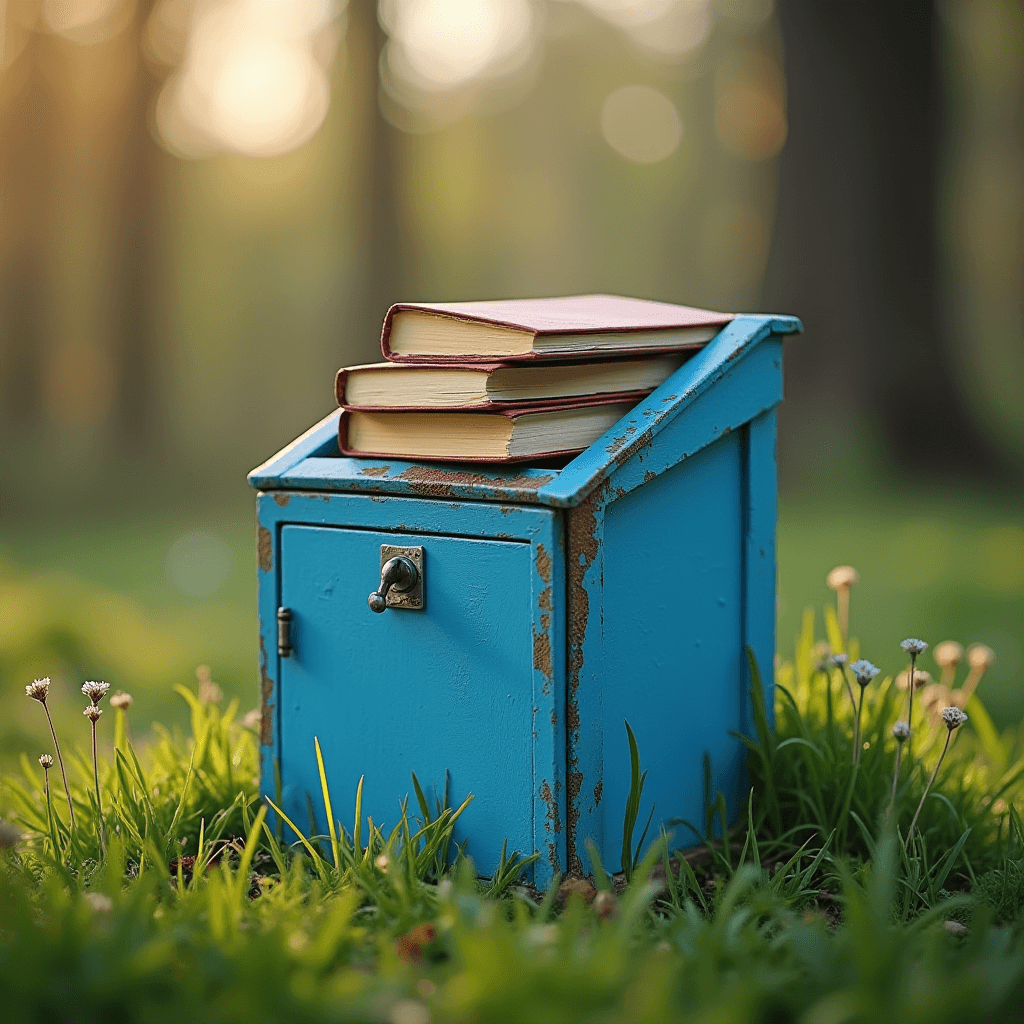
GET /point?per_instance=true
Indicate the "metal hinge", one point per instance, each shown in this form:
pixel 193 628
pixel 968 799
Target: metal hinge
pixel 284 632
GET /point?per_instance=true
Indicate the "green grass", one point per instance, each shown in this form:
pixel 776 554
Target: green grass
pixel 207 907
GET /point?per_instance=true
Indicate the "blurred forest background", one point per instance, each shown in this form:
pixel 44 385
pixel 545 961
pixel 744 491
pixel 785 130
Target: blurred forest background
pixel 206 206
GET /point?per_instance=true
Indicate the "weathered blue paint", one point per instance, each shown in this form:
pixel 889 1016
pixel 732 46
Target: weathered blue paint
pixel 625 585
pixel 465 687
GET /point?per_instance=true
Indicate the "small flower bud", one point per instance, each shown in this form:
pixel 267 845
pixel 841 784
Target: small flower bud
pixel 864 671
pixel 901 731
pixel 38 689
pixel 842 576
pixel 953 717
pixel 95 691
pixel 45 761
pixel 948 654
pixel 122 701
pixel 92 713
pixel 980 656
pixel 382 862
pixel 922 677
pixel 838 660
pixel 914 647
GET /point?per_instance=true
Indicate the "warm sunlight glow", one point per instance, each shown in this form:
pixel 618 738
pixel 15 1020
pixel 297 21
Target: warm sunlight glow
pixel 87 21
pixel 251 80
pixel 641 124
pixel 630 12
pixel 267 98
pixel 677 31
pixel 442 44
pixel 667 29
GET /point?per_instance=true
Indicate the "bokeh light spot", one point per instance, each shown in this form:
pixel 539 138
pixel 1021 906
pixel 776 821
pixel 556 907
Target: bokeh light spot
pixel 629 13
pixel 641 124
pixel 252 79
pixel 267 98
pixel 682 28
pixel 442 44
pixel 198 564
pixel 750 115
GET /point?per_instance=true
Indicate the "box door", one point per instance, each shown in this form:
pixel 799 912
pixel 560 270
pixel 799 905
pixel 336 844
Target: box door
pixel 447 689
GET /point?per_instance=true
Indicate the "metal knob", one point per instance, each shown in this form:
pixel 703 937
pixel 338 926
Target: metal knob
pixel 398 574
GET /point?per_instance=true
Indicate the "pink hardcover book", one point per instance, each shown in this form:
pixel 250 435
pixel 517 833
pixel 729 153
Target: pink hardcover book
pixel 574 327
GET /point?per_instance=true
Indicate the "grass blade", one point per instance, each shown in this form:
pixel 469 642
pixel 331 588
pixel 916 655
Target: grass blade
pixel 331 828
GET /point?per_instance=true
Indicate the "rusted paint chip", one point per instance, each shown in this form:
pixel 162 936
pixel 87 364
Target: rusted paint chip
pixel 616 444
pixel 432 482
pixel 375 471
pixel 637 445
pixel 264 549
pixel 266 697
pixel 551 801
pixel 542 656
pixel 543 564
pixel 583 550
pixel 282 498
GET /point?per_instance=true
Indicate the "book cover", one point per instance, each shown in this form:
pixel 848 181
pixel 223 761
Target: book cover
pixel 569 319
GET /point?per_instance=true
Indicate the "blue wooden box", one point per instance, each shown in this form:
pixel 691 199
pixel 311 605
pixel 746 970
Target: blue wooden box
pixel 558 603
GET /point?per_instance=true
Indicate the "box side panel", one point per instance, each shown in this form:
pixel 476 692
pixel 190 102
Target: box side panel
pixel 673 640
pixel 761 485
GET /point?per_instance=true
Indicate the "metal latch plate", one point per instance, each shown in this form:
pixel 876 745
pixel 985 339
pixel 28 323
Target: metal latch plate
pixel 415 596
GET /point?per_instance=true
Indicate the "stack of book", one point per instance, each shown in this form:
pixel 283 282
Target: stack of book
pixel 512 380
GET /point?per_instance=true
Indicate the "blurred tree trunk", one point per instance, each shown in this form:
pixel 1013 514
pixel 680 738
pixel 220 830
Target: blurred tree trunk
pixel 856 251
pixel 378 279
pixel 136 249
pixel 24 180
